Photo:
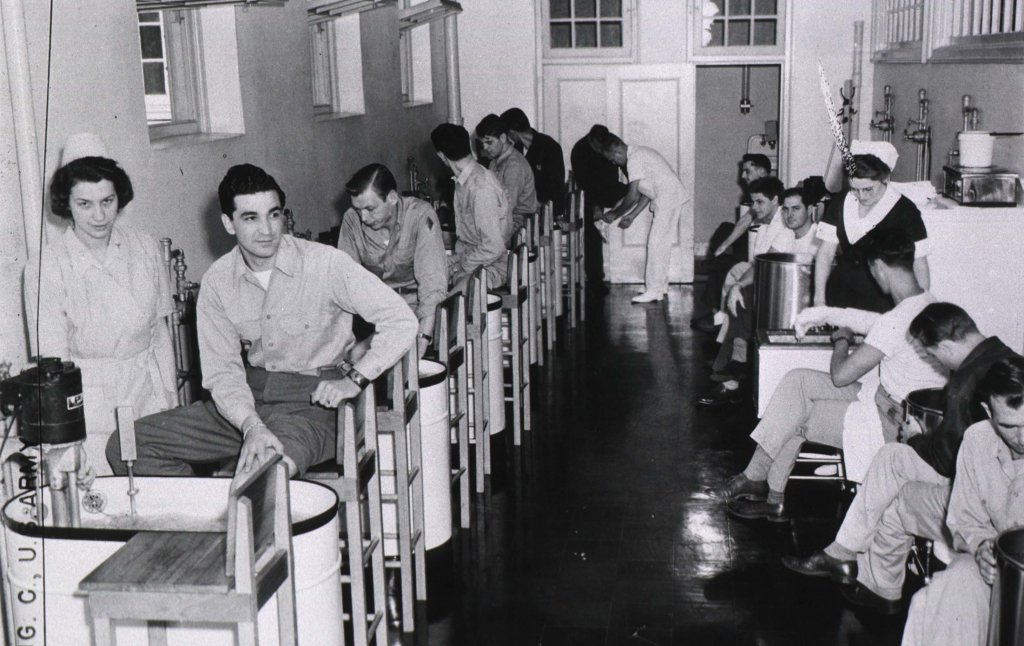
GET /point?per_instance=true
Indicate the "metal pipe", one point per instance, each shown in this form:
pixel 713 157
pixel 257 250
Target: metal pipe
pixel 26 140
pixel 856 77
pixel 451 52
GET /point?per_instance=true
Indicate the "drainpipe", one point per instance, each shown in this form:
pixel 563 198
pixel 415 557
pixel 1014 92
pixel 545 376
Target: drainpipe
pixel 451 54
pixel 26 142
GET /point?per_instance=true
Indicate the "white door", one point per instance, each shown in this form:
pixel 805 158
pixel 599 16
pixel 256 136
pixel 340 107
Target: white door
pixel 645 105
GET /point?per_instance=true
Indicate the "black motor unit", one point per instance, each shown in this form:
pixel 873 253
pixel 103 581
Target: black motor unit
pixel 50 398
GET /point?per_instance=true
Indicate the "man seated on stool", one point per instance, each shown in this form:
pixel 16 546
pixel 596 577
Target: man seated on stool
pixel 985 501
pixel 511 169
pixel 290 302
pixel 813 405
pixel 398 239
pixel 483 213
pixel 544 155
pixel 797 238
pixel 906 489
pixel 728 246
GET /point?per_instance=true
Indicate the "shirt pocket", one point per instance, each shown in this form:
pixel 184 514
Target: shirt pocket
pixel 302 323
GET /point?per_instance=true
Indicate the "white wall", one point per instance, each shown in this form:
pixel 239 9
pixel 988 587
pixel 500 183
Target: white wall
pixel 498 52
pixel 95 86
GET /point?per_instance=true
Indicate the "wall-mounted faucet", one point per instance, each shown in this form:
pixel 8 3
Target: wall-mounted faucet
pixel 922 136
pixel 885 119
pixel 417 186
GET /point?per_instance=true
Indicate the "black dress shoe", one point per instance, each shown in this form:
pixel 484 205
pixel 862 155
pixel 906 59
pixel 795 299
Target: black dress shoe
pixel 733 371
pixel 719 396
pixel 823 565
pixel 704 324
pixel 740 486
pixel 756 509
pixel 859 595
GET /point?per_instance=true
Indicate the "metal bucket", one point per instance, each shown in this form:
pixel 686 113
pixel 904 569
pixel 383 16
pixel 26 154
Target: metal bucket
pixel 784 286
pixel 1006 619
pixel 925 406
pixel 169 504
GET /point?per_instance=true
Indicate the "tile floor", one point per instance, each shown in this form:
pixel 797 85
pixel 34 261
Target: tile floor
pixel 601 531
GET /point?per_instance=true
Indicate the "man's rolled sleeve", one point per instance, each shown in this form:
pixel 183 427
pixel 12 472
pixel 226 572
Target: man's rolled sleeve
pixel 429 268
pixel 221 359
pixel 357 290
pixel 347 238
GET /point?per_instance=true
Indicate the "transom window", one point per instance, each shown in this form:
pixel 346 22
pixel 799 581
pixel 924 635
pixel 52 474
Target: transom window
pixel 586 23
pixel 154 67
pixel 742 23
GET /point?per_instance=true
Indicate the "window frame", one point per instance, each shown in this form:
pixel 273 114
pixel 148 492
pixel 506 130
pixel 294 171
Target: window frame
pixel 624 54
pixel 183 59
pixel 341 83
pixel 726 52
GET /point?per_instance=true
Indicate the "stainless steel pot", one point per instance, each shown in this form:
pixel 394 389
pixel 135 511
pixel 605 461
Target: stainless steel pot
pixel 784 286
pixel 1006 620
pixel 925 405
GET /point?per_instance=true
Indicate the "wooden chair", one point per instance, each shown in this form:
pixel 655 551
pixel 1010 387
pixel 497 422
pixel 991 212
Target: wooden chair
pixel 354 476
pixel 206 576
pixel 402 480
pixel 479 366
pixel 515 310
pixel 548 288
pixel 575 291
pixel 450 349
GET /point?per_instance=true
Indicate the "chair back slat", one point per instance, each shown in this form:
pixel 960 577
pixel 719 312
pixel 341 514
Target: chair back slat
pixel 259 491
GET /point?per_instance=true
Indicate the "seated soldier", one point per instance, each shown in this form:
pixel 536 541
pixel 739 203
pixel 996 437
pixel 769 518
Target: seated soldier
pixel 905 491
pixel 797 238
pixel 483 213
pixel 398 239
pixel 545 157
pixel 985 501
pixel 511 168
pixel 290 302
pixel 728 245
pixel 813 405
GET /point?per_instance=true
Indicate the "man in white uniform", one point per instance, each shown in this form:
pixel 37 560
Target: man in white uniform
pixel 654 185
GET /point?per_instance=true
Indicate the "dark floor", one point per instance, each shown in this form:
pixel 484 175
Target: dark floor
pixel 603 532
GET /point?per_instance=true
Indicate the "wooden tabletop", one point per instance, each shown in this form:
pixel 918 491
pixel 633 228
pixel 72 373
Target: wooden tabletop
pixel 164 562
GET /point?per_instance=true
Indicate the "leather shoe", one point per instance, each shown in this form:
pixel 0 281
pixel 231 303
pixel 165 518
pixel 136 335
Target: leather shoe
pixel 756 509
pixel 703 324
pixel 719 396
pixel 648 297
pixel 859 595
pixel 740 486
pixel 733 371
pixel 823 565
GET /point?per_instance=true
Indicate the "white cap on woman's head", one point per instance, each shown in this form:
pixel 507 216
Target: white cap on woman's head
pixel 82 144
pixel 881 149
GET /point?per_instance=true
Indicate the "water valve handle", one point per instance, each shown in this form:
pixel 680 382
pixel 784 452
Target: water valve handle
pixel 126 433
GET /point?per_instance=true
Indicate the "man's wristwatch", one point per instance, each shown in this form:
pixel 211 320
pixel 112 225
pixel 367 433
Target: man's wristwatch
pixel 426 337
pixel 358 379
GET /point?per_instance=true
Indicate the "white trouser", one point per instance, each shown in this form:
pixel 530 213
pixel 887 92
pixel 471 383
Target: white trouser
pixel 663 231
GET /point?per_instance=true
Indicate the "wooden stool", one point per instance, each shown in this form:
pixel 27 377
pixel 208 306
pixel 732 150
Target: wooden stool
pixel 479 365
pixel 575 257
pixel 354 476
pixel 547 274
pixel 206 576
pixel 450 349
pixel 515 309
pixel 399 419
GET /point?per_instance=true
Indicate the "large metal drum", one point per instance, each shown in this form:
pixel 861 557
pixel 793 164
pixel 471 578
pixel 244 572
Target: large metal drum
pixel 437 491
pixel 925 406
pixel 784 285
pixel 171 504
pixel 495 371
pixel 1006 620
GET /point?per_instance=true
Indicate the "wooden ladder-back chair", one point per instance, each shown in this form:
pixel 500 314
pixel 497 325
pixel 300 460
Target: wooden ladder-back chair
pixel 450 346
pixel 212 577
pixel 515 313
pixel 479 366
pixel 547 274
pixel 354 476
pixel 575 291
pixel 398 419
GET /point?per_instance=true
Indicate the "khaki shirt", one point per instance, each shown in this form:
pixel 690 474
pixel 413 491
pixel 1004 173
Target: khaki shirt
pixel 301 322
pixel 483 220
pixel 410 258
pixel 516 176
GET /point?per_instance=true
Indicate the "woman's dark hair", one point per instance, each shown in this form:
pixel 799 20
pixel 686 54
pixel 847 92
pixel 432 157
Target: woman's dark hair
pixel 941 322
pixel 894 247
pixel 492 126
pixel 870 167
pixel 451 140
pixel 92 170
pixel 1005 379
pixel 245 179
pixel 376 176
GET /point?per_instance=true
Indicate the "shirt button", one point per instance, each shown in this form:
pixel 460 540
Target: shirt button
pixel 270 345
pixel 268 317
